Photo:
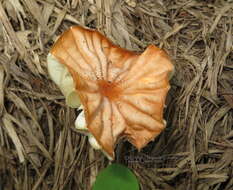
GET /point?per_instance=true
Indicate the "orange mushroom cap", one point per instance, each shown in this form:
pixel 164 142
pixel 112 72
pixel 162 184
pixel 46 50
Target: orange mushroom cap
pixel 123 93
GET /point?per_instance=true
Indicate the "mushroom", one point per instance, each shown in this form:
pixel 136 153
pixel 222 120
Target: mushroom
pixel 122 93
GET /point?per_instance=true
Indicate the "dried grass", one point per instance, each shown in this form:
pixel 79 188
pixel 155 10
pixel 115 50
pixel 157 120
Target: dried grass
pixel 39 147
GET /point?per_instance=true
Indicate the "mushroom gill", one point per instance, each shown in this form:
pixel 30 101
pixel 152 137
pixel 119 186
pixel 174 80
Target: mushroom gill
pixel 122 92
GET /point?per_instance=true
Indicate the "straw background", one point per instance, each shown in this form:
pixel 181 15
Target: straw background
pixel 39 147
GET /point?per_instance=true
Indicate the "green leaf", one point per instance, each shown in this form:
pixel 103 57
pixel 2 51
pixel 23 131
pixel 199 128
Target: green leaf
pixel 116 177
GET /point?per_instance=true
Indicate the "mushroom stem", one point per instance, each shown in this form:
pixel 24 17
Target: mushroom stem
pixel 63 79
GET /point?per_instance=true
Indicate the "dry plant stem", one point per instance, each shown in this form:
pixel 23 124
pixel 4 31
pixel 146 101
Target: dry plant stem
pixel 19 47
pixel 92 160
pixel 2 74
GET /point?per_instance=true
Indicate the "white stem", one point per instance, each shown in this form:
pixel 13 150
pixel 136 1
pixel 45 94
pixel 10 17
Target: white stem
pixel 61 76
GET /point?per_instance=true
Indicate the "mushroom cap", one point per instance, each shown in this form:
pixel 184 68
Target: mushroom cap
pixel 122 92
